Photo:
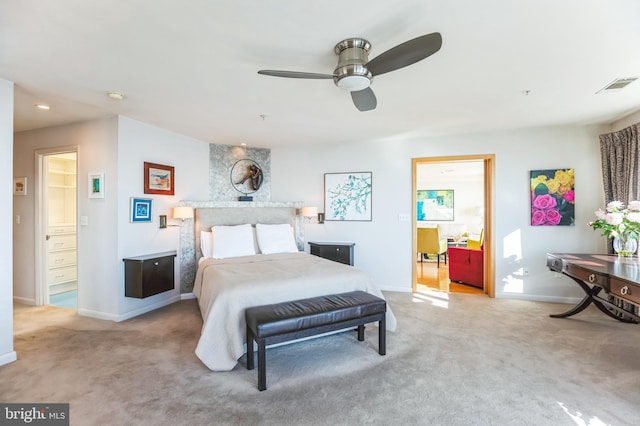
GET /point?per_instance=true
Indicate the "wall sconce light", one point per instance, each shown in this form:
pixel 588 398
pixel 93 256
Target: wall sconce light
pixel 310 211
pixel 183 213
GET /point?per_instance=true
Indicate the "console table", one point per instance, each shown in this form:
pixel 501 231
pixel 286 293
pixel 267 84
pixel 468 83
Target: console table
pixel 618 277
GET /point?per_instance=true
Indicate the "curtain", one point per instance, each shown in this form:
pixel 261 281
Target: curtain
pixel 619 153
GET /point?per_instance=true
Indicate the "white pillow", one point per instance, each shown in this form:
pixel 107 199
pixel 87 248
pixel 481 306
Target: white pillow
pixel 255 239
pixel 276 238
pixel 206 244
pixel 232 241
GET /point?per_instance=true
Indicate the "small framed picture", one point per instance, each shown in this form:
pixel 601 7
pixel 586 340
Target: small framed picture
pixel 96 185
pixel 20 186
pixel 158 179
pixel 140 209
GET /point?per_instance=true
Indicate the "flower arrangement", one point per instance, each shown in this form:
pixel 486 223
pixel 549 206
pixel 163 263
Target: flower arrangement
pixel 618 221
pixel 552 197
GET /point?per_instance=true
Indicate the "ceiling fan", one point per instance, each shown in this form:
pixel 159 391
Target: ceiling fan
pixel 355 71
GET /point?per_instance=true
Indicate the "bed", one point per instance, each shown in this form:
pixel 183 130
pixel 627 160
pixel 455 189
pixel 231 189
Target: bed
pixel 225 286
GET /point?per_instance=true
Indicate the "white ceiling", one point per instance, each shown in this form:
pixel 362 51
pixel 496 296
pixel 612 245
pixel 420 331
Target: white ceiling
pixel 191 66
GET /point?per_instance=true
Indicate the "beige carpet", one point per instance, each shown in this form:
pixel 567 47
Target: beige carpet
pixel 456 359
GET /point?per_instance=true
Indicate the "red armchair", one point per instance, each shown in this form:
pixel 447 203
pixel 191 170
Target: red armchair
pixel 467 266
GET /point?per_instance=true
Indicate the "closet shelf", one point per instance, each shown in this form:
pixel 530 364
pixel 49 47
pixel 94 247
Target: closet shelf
pixel 63 186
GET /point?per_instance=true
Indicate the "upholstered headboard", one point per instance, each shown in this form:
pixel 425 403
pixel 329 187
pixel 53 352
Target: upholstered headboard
pixel 211 213
pixel 207 217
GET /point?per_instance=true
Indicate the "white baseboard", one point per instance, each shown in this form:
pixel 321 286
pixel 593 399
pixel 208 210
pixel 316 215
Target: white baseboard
pixel 148 308
pixel 539 298
pixel 187 296
pixel 9 357
pixel 97 314
pixel 396 289
pixel 130 314
pixel 24 301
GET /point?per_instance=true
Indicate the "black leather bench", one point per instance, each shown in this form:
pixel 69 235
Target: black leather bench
pixel 286 321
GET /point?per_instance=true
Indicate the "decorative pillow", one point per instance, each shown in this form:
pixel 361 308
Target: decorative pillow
pixel 206 244
pixel 276 238
pixel 232 241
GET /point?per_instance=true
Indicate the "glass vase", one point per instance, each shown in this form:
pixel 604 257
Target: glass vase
pixel 625 246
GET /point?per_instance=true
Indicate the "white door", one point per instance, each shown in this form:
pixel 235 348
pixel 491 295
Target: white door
pixel 57 216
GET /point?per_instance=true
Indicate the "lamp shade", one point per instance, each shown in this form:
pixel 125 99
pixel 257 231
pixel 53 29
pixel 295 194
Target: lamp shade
pixel 309 211
pixel 182 212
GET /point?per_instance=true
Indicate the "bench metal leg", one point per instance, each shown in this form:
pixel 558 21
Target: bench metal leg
pixel 361 333
pixel 262 366
pixel 249 350
pixel 382 336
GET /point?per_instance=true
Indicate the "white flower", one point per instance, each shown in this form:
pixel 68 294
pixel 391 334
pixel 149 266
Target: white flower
pixel 600 214
pixel 613 218
pixel 614 205
pixel 634 216
pixel 634 205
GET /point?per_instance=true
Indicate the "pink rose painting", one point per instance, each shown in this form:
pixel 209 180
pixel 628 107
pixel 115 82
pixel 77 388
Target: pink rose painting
pixel 552 197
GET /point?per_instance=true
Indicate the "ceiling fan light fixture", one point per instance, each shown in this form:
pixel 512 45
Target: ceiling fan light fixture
pixel 353 83
pixel 352 77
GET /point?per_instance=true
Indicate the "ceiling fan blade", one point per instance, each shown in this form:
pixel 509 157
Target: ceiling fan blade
pixel 364 100
pixel 296 74
pixel 405 54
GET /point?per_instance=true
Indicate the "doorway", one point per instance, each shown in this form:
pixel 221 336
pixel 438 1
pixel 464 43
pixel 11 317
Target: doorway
pixel 57 236
pixel 463 187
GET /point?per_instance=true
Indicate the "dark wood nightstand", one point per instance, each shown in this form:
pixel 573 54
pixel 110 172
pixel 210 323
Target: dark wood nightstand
pixel 147 275
pixel 338 252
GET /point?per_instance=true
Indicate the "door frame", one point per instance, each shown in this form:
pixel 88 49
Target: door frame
pixel 489 205
pixel 41 218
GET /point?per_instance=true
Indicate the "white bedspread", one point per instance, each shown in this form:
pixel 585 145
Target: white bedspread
pixel 225 287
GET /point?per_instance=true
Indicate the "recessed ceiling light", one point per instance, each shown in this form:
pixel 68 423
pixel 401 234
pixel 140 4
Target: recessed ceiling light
pixel 43 106
pixel 115 95
pixel 243 144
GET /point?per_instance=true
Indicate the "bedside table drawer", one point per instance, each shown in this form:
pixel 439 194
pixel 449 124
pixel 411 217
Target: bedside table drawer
pixel 338 252
pixel 148 275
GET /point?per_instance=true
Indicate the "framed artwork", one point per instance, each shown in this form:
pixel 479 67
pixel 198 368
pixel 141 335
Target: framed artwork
pixel 347 196
pixel 141 209
pixel 96 185
pixel 20 186
pixel 158 179
pixel 552 197
pixel 435 204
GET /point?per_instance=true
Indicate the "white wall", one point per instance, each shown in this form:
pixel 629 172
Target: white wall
pixel 139 142
pixel 117 146
pixel 7 354
pixel 625 122
pixel 97 243
pixel 383 246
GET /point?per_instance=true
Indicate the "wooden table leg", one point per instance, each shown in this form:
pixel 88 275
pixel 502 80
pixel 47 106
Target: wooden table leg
pixel 586 301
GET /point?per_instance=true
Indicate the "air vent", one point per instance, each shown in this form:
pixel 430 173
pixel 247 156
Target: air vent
pixel 617 84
